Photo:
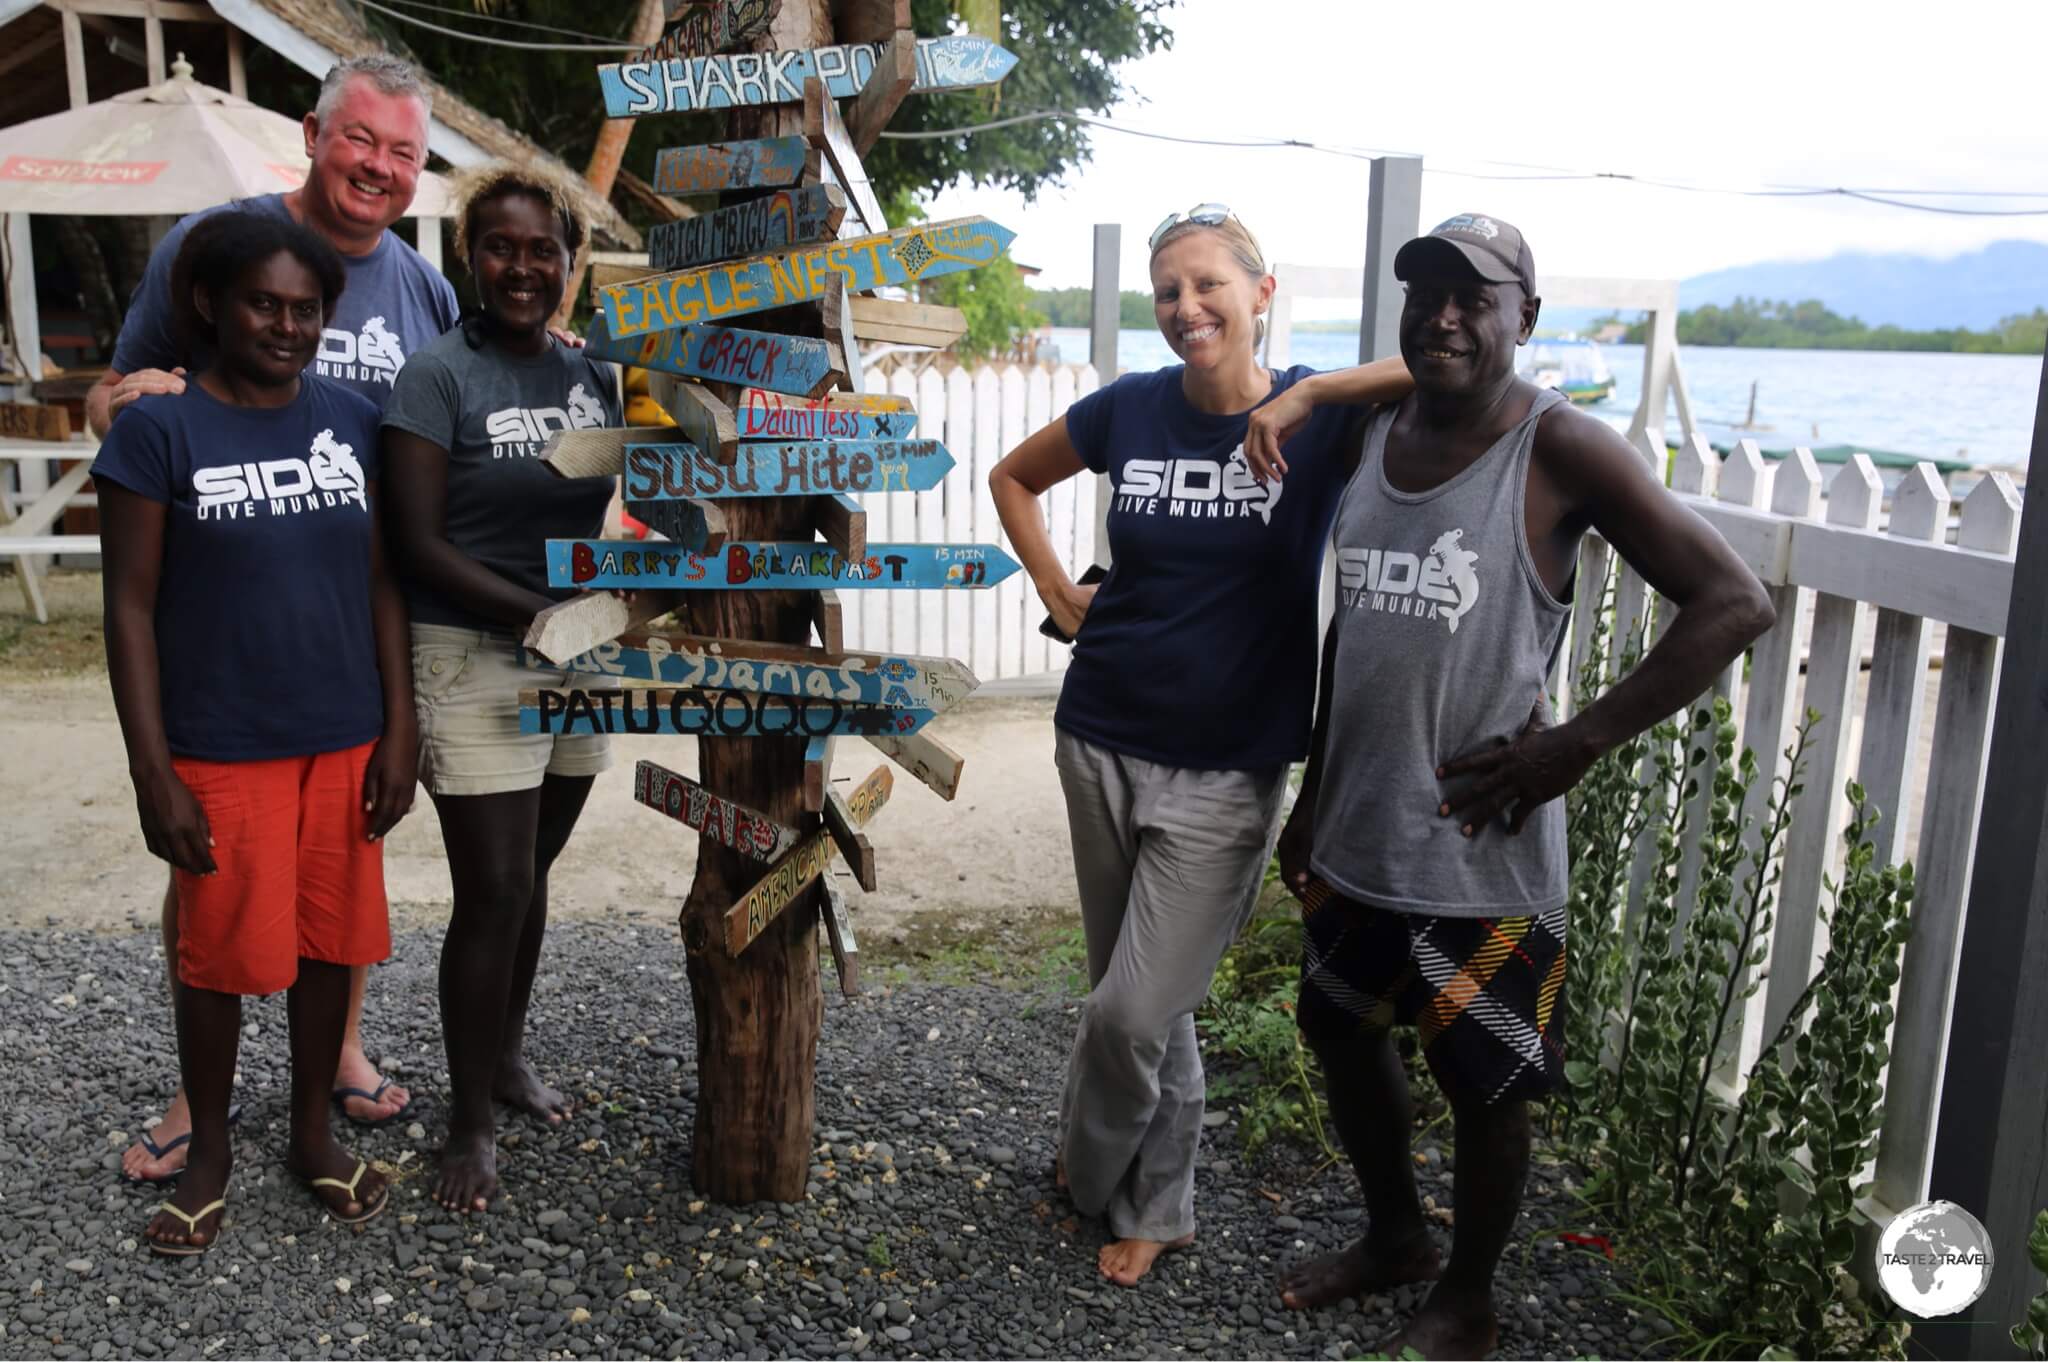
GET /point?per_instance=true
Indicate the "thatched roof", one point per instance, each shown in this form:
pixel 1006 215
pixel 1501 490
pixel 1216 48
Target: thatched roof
pixel 339 33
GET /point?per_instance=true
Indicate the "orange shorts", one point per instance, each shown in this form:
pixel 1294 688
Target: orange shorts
pixel 296 874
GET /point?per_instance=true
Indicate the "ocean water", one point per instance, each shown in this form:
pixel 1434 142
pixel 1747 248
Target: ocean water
pixel 1975 408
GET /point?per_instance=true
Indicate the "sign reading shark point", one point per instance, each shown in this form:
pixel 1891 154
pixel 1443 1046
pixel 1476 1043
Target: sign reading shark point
pixel 631 89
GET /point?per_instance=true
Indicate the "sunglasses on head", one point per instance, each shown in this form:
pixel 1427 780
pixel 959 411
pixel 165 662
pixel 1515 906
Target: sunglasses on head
pixel 1202 214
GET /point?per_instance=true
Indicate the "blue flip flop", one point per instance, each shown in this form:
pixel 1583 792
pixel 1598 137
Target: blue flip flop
pixel 341 1095
pixel 157 1151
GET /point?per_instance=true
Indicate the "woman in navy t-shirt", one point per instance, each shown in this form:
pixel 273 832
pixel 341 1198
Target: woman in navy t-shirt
pixel 1190 691
pixel 257 650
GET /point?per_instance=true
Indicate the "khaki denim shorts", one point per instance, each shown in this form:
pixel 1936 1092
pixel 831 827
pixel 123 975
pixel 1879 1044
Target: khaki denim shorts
pixel 465 686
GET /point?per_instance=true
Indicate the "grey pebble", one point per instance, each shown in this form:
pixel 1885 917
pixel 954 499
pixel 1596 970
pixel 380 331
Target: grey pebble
pixel 898 1333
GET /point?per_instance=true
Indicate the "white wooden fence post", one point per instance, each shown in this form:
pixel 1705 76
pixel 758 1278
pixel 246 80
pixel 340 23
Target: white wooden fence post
pixel 988 449
pixel 1010 594
pixel 903 605
pixel 934 422
pixel 1953 800
pixel 961 486
pixel 1898 674
pixel 1697 469
pixel 1768 726
pixel 1038 414
pixel 1831 671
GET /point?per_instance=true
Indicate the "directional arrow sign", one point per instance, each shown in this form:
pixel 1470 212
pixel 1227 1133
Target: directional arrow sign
pixel 934 683
pixel 658 472
pixel 692 524
pixel 788 217
pixel 794 873
pixel 629 564
pixel 744 830
pixel 765 162
pixel 802 365
pixel 763 415
pixel 709 26
pixel 700 713
pixel 662 301
pixel 954 62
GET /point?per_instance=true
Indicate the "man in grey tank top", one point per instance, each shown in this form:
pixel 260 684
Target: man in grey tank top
pixel 1428 844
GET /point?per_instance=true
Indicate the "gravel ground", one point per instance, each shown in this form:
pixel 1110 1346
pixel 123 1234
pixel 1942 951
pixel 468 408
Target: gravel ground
pixel 931 1227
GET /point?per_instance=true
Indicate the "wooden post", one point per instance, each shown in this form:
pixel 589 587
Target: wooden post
pixel 757 1012
pixel 1646 429
pixel 1994 1106
pixel 238 68
pixel 153 43
pixel 1104 318
pixel 74 57
pixel 23 322
pixel 1394 216
pixel 602 171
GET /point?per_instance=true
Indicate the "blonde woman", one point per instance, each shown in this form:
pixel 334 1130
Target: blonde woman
pixel 1190 692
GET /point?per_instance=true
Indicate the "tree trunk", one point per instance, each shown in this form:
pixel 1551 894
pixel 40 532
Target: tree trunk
pixel 758 1013
pixel 603 171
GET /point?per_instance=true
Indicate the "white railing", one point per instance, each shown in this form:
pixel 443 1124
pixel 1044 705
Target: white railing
pixel 981 415
pixel 1849 597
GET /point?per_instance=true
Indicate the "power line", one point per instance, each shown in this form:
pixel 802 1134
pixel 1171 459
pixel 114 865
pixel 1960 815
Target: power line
pixel 1889 198
pixel 485 16
pixel 403 17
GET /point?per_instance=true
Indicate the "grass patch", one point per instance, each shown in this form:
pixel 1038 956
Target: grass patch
pixel 1038 948
pixel 68 645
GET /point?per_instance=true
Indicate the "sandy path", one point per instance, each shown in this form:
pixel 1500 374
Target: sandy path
pixel 73 853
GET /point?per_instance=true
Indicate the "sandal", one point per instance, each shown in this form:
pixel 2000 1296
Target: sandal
pixel 340 1098
pixel 370 1212
pixel 191 1227
pixel 157 1151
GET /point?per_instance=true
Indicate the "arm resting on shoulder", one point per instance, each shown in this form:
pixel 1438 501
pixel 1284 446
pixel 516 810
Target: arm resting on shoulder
pixel 1275 423
pixel 414 473
pixel 104 399
pixel 1045 459
pixel 132 550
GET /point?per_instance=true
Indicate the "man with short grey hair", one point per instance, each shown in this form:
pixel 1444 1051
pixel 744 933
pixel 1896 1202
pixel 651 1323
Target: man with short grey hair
pixel 366 140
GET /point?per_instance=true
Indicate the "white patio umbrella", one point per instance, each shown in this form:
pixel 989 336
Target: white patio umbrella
pixel 171 149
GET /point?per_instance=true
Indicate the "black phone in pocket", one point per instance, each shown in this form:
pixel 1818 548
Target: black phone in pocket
pixel 1095 573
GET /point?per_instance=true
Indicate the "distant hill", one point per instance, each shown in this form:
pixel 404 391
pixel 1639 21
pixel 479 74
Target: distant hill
pixel 1974 290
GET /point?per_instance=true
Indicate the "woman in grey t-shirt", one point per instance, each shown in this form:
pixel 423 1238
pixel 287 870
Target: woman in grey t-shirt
pixel 472 508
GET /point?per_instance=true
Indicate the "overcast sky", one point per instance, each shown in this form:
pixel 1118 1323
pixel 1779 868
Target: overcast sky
pixel 1731 93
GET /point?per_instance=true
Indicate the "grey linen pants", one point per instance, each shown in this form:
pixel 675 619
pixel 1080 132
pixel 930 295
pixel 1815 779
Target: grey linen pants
pixel 1169 863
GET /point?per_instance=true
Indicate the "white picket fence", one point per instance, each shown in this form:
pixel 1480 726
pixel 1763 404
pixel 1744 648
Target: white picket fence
pixel 981 415
pixel 1866 610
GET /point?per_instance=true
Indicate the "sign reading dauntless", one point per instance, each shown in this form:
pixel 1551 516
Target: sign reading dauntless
pixel 742 286
pixel 764 415
pixel 955 62
pixel 630 564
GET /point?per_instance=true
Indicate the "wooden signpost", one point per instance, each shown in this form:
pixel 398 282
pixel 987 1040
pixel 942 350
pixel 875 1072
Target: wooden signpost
pixel 767 281
pixel 795 871
pixel 801 365
pixel 766 415
pixel 694 525
pixel 699 713
pixel 679 85
pixel 700 27
pixel 934 683
pixel 740 678
pixel 745 830
pixel 629 564
pixel 658 472
pixel 786 218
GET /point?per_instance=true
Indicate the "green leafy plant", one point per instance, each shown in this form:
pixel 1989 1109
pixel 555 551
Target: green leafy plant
pixel 1249 1022
pixel 878 1251
pixel 2030 1335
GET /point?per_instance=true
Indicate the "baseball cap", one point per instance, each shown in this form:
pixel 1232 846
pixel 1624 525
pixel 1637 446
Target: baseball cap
pixel 1492 249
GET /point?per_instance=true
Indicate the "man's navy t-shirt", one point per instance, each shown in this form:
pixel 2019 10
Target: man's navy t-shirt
pixel 1200 648
pixel 264 642
pixel 395 305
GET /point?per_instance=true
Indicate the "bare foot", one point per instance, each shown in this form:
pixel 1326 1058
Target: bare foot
pixel 1126 1261
pixel 1451 1324
pixel 520 1088
pixel 200 1187
pixel 327 1159
pixel 356 1071
pixel 171 1135
pixel 1357 1270
pixel 469 1172
pixel 1059 1173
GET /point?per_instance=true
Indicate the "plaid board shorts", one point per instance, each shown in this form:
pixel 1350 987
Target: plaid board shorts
pixel 1485 994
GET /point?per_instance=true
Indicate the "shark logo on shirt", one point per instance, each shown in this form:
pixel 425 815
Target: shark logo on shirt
pixel 1440 585
pixel 373 355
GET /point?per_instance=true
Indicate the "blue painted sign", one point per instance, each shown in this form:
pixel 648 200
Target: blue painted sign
pixel 812 468
pixel 788 217
pixel 662 301
pixel 765 162
pixel 708 713
pixel 954 62
pixel 681 522
pixel 628 564
pixel 797 365
pixel 901 682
